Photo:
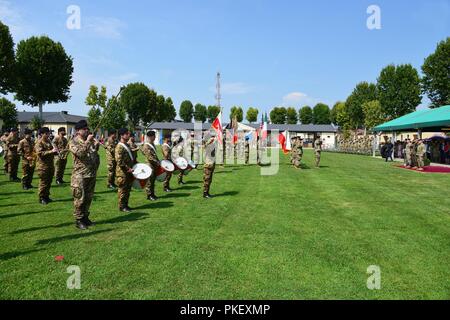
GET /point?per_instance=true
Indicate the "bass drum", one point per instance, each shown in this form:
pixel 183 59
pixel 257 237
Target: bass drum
pixel 141 173
pixel 2 151
pixel 191 166
pixel 181 164
pixel 165 167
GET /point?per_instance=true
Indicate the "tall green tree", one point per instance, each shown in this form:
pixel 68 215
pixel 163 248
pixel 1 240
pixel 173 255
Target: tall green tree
pixel 291 116
pixel 200 113
pixel 436 75
pixel 333 113
pixel 398 90
pixel 170 112
pixel 8 113
pixel 364 92
pixel 136 100
pixel 114 115
pixel 373 114
pixel 213 112
pixel 238 113
pixel 94 113
pixel 342 116
pixel 252 115
pixel 43 72
pixel 186 111
pixel 278 115
pixel 7 60
pixel 321 114
pixel 306 115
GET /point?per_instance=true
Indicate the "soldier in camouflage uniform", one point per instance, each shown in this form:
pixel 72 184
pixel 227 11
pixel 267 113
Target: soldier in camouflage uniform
pixel 5 150
pixel 408 150
pixel 296 152
pixel 247 149
pixel 110 147
pixel 60 142
pixel 26 151
pixel 414 153
pixel 421 154
pixel 124 169
pixel 192 144
pixel 210 145
pixel 45 153
pixel 134 148
pixel 84 150
pixel 317 150
pixel 12 143
pixel 149 151
pixel 167 154
pixel 178 152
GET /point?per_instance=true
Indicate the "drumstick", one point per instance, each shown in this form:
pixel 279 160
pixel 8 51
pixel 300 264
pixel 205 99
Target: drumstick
pixel 106 111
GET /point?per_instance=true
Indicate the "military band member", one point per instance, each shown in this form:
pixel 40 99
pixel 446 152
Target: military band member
pixel 210 162
pixel 177 152
pixel 12 143
pixel 124 169
pixel 317 150
pixel 167 155
pixel 247 149
pixel 192 144
pixel 149 151
pixel 26 151
pixel 110 147
pixel 5 150
pixel 45 153
pixel 132 143
pixel 84 150
pixel 60 142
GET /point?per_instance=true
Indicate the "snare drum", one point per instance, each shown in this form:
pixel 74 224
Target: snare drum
pixel 165 167
pixel 141 173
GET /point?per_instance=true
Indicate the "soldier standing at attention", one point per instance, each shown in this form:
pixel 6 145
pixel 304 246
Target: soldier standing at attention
pixel 177 152
pixel 294 153
pixel 60 142
pixel 45 153
pixel 149 151
pixel 124 169
pixel 167 154
pixel 421 152
pixel 318 150
pixel 110 147
pixel 84 151
pixel 26 150
pixel 192 143
pixel 210 163
pixel 5 151
pixel 12 143
pixel 134 148
pixel 408 150
pixel 300 151
pixel 247 149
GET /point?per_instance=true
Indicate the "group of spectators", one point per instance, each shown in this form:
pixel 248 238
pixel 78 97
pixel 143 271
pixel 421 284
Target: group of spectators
pixel 437 150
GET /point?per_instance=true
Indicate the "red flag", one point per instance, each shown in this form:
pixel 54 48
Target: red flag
pixel 282 140
pixel 217 126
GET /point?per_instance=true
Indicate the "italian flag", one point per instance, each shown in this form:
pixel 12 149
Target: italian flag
pixel 217 126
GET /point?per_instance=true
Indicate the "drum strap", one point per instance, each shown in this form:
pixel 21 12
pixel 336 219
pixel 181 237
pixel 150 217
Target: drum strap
pixel 128 150
pixel 152 146
pixel 165 144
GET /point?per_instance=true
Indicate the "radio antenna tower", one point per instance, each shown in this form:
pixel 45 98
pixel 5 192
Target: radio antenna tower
pixel 218 96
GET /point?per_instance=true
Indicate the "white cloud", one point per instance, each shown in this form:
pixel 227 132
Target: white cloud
pixel 105 27
pixel 299 99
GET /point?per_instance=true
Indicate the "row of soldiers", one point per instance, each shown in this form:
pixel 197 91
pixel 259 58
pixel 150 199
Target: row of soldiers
pixel 355 144
pixel 27 150
pixel 84 149
pixel 297 151
pixel 415 154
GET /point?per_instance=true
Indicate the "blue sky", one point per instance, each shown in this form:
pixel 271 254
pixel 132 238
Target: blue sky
pixel 270 53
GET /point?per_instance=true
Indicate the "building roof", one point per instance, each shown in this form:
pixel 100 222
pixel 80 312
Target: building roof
pixel 420 119
pixel 50 117
pixel 280 127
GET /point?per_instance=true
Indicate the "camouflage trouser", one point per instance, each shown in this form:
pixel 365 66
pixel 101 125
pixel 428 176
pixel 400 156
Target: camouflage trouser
pixel 27 173
pixel 420 162
pixel 180 176
pixel 124 184
pixel 408 159
pixel 317 158
pixel 413 160
pixel 45 181
pixel 111 171
pixel 208 171
pixel 247 157
pixel 166 183
pixel 60 167
pixel 83 193
pixel 5 163
pixel 150 186
pixel 13 165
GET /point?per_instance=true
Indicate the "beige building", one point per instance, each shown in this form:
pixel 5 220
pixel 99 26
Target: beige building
pixel 52 120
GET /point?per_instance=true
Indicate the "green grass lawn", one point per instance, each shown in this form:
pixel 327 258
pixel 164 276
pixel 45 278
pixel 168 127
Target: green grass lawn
pixel 301 234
